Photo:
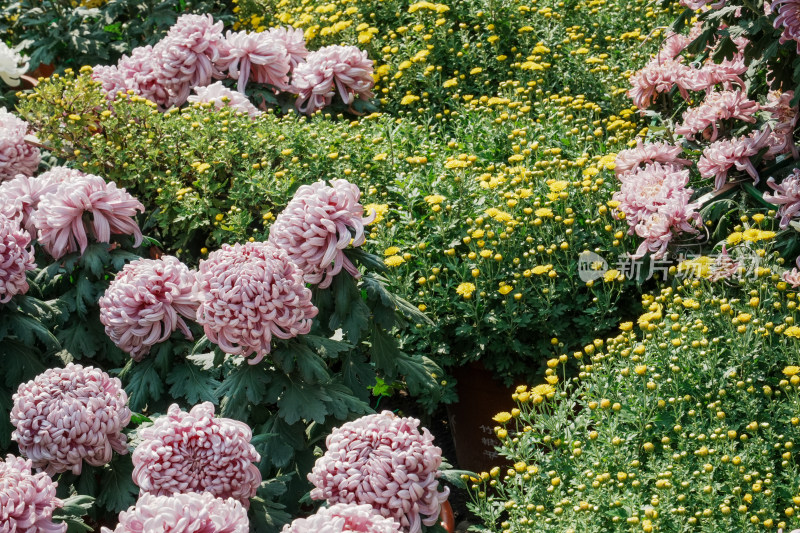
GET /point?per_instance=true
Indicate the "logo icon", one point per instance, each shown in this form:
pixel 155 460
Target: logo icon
pixel 591 266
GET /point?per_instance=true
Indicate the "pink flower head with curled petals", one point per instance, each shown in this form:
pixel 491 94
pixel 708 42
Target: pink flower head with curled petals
pixel 345 70
pixel 786 196
pixel 146 302
pixel 384 461
pixel 27 500
pixel 788 20
pixel 785 115
pixel 16 259
pixel 111 80
pixel 221 96
pixel 248 293
pixel 658 152
pixel 183 513
pixel 20 196
pixel 69 415
pixel 295 42
pixel 259 55
pixel 196 452
pixel 62 214
pixel 190 55
pixel 16 155
pixel 792 277
pixel 717 106
pixel 660 76
pixel 318 225
pixel 141 72
pixel 721 156
pixel 344 518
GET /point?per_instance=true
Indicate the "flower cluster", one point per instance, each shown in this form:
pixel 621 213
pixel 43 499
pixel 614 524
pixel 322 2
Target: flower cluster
pixel 196 452
pixel 27 500
pixel 69 415
pixel 61 214
pixel 16 155
pixel 250 292
pixel 386 462
pixel 316 227
pixel 16 259
pixel 183 513
pixel 344 518
pixel 194 52
pixel 146 302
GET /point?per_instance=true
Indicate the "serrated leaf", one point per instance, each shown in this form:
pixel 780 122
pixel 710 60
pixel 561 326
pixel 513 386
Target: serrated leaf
pixel 358 374
pixel 326 347
pixel 300 401
pixel 95 259
pixel 342 403
pixel 190 382
pixel 243 386
pixel 78 339
pixel 144 384
pixel 119 491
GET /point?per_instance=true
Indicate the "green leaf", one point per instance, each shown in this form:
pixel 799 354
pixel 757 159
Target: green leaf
pixel 328 348
pixel 350 314
pixel 358 375
pixel 144 384
pixel 119 492
pixel 190 382
pixel 244 386
pixel 301 401
pixel 309 365
pixel 95 259
pixel 342 403
pixel 78 339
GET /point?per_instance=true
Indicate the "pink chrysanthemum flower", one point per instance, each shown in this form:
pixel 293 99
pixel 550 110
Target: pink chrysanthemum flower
pixel 16 259
pixel 221 96
pixel 141 72
pixel 318 225
pixel 788 20
pixel 183 513
pixel 196 452
pixel 111 80
pixel 248 293
pixel 345 70
pixel 16 155
pixel 259 55
pixel 717 106
pixel 386 462
pixel 723 267
pixel 27 500
pixel 726 73
pixel 68 415
pixel 792 277
pixel 344 518
pixel 295 42
pixel 642 154
pixel 786 196
pixel 657 228
pixel 20 196
pixel 660 76
pixel 190 55
pixel 785 115
pixel 146 302
pixel 721 156
pixel 62 215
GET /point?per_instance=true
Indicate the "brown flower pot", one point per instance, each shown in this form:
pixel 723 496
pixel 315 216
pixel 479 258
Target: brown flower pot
pixel 448 519
pixel 480 397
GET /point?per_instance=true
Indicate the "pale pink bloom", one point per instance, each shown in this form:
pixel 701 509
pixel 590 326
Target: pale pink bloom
pixel 660 76
pixel 792 277
pixel 660 226
pixel 658 152
pixel 672 46
pixel 141 72
pixel 68 415
pixel 723 267
pixel 345 70
pixel 260 55
pixel 785 116
pixel 644 190
pixel 62 215
pixel 111 80
pixel 190 55
pixel 316 227
pixel 16 259
pixel 699 4
pixel 719 157
pixel 183 513
pixel 248 293
pixel 727 73
pixel 146 302
pixel 196 452
pixel 295 42
pixel 20 196
pixel 384 461
pixel 717 106
pixel 16 155
pixel 27 500
pixel 788 20
pixel 221 96
pixel 344 518
pixel 786 196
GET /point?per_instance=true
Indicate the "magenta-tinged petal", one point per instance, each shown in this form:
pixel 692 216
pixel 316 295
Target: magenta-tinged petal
pixel 345 66
pixel 16 258
pixel 16 155
pixel 27 500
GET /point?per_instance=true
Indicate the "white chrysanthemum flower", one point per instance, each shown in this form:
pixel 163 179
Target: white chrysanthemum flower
pixel 12 65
